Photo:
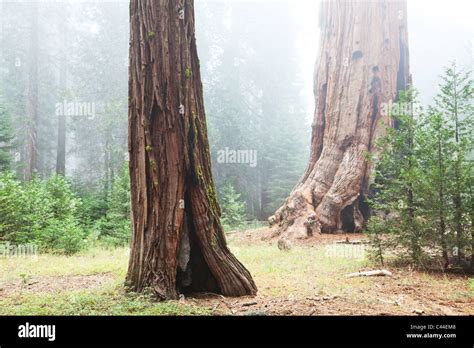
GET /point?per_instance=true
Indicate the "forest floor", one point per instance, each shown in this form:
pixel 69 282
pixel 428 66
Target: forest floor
pixel 307 280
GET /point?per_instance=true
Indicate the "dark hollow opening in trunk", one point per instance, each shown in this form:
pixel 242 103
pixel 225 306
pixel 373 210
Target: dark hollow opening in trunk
pixel 347 214
pixel 364 207
pixel 197 276
pixel 347 218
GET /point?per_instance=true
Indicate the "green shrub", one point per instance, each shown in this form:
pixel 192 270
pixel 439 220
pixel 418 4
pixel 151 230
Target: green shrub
pixel 12 198
pixel 114 228
pixel 93 207
pixel 40 212
pixel 233 209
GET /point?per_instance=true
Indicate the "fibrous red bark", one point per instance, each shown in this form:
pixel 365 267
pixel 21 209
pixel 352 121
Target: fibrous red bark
pixel 178 244
pixel 362 64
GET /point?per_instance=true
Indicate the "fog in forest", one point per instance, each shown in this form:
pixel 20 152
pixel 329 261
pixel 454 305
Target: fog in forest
pixel 237 157
pixel 257 64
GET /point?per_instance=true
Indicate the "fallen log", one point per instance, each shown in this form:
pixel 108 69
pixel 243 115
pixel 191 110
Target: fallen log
pixel 379 272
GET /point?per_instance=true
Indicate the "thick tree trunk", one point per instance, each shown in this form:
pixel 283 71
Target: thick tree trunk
pixel 178 244
pixel 32 100
pixel 362 63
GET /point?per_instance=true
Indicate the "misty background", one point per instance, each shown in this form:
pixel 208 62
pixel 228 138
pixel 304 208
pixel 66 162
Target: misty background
pixel 257 63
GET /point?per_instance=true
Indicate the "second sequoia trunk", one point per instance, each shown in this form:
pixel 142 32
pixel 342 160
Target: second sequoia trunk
pixel 178 244
pixel 362 64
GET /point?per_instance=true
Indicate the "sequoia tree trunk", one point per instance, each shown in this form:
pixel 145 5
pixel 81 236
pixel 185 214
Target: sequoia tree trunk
pixel 362 64
pixel 178 244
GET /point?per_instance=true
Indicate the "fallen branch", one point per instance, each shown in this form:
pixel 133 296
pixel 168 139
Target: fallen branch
pixel 379 272
pixel 418 311
pixel 215 307
pixel 248 304
pixel 359 241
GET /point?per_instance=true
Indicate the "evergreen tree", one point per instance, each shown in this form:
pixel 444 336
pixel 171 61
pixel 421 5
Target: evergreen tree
pixel 398 184
pixel 454 101
pixel 423 188
pixel 114 228
pixel 437 151
pixel 233 209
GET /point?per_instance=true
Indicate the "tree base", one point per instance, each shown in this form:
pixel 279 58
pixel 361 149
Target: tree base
pixel 300 218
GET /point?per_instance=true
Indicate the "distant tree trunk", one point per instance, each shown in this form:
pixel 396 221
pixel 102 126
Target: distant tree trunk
pixel 362 63
pixel 32 101
pixel 61 150
pixel 178 244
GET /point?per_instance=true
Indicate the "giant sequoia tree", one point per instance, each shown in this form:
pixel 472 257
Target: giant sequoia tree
pixel 178 243
pixel 362 64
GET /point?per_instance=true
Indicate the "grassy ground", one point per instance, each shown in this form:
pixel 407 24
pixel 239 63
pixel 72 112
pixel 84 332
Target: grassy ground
pixel 308 280
pixel 86 284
